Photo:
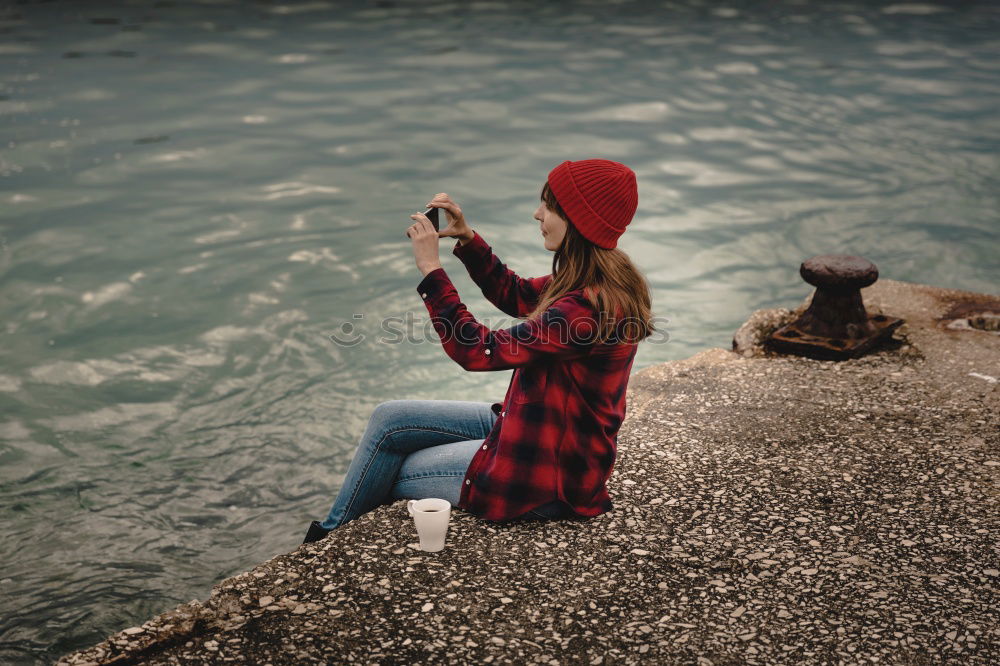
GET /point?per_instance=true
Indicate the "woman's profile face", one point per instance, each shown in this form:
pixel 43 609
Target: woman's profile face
pixel 553 227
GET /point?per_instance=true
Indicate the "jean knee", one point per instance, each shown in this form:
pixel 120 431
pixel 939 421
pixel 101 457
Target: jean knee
pixel 385 412
pixel 386 407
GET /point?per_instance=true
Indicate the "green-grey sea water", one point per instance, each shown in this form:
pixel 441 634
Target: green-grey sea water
pixel 196 198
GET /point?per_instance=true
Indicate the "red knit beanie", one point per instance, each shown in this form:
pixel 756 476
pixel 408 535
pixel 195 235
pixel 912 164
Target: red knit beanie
pixel 599 196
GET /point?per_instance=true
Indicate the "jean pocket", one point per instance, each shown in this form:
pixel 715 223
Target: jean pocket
pixel 531 383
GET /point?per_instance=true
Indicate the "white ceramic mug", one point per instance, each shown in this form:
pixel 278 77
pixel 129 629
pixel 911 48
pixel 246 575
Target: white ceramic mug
pixel 431 516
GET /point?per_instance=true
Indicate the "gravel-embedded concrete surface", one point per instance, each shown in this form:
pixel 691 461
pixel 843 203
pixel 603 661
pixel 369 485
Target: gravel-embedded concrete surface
pixel 767 510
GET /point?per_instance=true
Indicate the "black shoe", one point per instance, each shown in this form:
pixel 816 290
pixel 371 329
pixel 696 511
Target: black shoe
pixel 316 532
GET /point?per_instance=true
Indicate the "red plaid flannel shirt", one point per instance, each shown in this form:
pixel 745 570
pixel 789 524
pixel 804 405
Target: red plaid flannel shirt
pixel 556 434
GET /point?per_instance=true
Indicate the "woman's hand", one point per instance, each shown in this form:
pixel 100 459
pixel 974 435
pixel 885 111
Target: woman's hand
pixel 425 243
pixel 457 226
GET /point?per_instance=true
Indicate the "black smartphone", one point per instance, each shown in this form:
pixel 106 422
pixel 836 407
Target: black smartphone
pixel 432 215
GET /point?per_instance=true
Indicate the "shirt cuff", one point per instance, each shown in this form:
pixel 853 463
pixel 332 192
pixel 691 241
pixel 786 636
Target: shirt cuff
pixel 476 246
pixel 433 285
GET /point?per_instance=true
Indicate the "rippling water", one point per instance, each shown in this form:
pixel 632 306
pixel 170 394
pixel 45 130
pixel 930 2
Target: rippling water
pixel 195 197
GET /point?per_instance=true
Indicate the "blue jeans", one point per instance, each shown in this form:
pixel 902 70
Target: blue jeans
pixel 412 449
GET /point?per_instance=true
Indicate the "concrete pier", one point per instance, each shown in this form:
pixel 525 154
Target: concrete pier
pixel 767 509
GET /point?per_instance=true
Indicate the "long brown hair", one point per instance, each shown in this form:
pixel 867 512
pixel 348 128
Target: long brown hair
pixel 617 290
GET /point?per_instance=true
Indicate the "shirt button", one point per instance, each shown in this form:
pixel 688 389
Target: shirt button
pixel 487 351
pixel 484 447
pixel 423 295
pixel 467 482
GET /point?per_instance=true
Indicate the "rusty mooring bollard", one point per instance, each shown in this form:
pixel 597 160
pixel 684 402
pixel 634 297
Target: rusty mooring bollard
pixel 835 326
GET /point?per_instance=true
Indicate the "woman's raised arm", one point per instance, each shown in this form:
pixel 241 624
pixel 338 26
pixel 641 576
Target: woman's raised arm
pixel 501 286
pixel 565 330
pixel 514 295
